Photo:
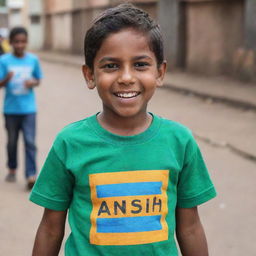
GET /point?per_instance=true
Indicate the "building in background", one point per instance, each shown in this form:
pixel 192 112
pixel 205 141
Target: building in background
pixel 210 37
pixel 58 25
pixel 3 18
pixel 67 20
pixel 36 24
pixel 246 55
pixel 17 13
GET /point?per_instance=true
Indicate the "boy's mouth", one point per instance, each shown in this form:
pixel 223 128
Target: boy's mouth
pixel 126 95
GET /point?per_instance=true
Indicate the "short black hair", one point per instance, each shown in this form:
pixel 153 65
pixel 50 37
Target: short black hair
pixel 17 30
pixel 114 20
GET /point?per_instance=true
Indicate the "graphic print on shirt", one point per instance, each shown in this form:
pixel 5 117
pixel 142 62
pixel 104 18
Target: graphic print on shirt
pixel 129 207
pixel 20 75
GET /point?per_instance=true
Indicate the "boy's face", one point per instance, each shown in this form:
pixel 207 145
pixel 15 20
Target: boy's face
pixel 19 43
pixel 125 73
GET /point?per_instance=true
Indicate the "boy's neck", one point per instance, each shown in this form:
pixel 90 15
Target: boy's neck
pixel 19 55
pixel 125 126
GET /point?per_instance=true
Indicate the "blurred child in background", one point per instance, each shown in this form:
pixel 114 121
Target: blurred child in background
pixel 20 72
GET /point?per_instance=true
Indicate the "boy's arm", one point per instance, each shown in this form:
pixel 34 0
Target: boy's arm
pixel 6 79
pixel 190 233
pixel 50 233
pixel 36 75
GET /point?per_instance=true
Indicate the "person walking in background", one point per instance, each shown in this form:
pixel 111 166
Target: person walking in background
pixel 20 72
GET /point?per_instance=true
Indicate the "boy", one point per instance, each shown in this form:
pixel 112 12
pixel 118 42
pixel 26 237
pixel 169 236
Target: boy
pixel 20 72
pixel 123 174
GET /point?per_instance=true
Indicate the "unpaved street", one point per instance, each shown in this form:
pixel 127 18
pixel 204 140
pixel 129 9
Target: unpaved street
pixel 229 219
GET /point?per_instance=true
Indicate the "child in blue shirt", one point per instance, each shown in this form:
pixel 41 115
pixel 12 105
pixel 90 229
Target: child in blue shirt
pixel 20 72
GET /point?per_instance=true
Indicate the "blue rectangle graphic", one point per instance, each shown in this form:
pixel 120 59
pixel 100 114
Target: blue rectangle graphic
pixel 128 224
pixel 129 189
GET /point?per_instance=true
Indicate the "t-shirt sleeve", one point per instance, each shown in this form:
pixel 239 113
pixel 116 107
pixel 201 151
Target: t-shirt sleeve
pixel 54 186
pixel 3 71
pixel 194 186
pixel 37 72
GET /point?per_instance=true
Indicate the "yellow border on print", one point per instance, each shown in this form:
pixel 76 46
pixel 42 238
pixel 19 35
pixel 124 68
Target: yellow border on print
pixel 128 177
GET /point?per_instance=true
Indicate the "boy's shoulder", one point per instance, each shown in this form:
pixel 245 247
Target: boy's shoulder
pixel 73 129
pixel 82 128
pixel 10 57
pixel 5 57
pixel 178 136
pixel 175 128
pixel 31 56
pixel 167 125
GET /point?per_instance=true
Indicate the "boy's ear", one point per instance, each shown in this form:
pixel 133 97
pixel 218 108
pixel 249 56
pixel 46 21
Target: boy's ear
pixel 161 73
pixel 89 77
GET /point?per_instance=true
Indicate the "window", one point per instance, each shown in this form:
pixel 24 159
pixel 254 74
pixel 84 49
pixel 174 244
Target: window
pixel 35 19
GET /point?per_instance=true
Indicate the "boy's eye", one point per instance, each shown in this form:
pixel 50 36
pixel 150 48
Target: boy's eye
pixel 110 66
pixel 141 65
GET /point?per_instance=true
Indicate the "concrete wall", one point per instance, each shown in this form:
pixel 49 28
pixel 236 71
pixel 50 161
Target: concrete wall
pixel 214 32
pixel 149 6
pixel 169 20
pixel 67 20
pixel 47 6
pixel 204 36
pixel 210 36
pixel 15 18
pixel 58 25
pixel 48 35
pixel 85 11
pixel 245 56
pixel 81 22
pixel 35 7
pixel 250 24
pixel 82 4
pixel 3 19
pixel 61 32
pixel 36 35
pixel 57 6
pixel 18 17
pixel 36 26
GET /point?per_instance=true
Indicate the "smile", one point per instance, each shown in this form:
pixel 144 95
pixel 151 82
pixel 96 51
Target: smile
pixel 126 95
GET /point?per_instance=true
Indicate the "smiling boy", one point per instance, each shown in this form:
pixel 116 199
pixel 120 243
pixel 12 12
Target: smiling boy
pixel 125 95
pixel 128 178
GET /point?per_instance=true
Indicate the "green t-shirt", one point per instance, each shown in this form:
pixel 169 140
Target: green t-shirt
pixel 122 191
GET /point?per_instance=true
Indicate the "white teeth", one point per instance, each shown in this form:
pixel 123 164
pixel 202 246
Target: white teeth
pixel 127 94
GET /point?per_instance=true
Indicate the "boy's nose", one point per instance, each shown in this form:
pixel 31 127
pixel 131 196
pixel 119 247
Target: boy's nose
pixel 20 45
pixel 126 77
